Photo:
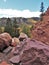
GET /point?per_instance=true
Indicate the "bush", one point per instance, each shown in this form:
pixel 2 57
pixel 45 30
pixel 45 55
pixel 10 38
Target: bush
pixel 26 30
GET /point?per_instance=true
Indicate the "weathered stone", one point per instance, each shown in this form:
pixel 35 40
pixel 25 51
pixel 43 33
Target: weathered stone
pixel 7 50
pixel 16 52
pixel 29 52
pixel 6 36
pixel 22 36
pixel 5 40
pixel 34 53
pixel 15 59
pixel 2 44
pixel 4 63
pixel 15 41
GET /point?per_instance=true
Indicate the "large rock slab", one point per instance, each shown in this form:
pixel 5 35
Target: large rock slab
pixel 35 53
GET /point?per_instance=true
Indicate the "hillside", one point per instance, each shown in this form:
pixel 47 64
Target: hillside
pixel 19 20
pixel 25 50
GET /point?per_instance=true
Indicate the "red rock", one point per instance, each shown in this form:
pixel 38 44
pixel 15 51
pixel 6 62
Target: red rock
pixel 2 44
pixel 5 40
pixel 30 52
pixel 47 12
pixel 15 59
pixel 7 50
pixel 41 29
pixel 6 36
pixel 35 53
pixel 4 63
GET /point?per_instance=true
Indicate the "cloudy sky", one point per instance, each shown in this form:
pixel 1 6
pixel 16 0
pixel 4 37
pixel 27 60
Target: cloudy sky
pixel 21 8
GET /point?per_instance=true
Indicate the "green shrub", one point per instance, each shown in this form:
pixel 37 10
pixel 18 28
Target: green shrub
pixel 26 30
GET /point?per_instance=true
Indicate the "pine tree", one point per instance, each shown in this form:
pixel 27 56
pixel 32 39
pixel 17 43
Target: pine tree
pixel 42 10
pixel 15 26
pixel 8 27
pixel 42 7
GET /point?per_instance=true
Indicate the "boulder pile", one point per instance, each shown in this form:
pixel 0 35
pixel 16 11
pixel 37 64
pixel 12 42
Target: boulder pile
pixel 27 52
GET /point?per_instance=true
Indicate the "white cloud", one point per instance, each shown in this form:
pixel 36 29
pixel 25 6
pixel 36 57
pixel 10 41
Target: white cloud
pixel 4 0
pixel 18 13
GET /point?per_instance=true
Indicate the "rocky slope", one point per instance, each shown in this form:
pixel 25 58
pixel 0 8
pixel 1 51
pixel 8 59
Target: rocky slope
pixel 41 29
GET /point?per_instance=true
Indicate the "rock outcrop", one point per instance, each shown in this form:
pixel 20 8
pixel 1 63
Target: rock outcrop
pixel 22 36
pixel 28 52
pixel 5 40
pixel 41 29
pixel 31 52
pixel 35 53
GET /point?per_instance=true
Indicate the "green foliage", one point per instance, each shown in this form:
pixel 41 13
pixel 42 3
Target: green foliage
pixel 8 27
pixel 32 27
pixel 42 7
pixel 11 28
pixel 0 30
pixel 26 30
pixel 15 23
pixel 16 30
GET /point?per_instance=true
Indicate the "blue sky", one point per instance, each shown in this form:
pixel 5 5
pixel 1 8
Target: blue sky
pixel 22 5
pixel 33 5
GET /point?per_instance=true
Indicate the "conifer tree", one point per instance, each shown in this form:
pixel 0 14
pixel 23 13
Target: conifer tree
pixel 8 27
pixel 42 11
pixel 42 7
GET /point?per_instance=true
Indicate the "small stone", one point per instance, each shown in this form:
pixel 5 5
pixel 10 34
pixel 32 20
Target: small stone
pixel 15 59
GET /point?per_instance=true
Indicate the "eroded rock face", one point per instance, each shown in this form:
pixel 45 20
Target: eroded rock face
pixel 31 52
pixel 28 52
pixel 5 40
pixel 47 12
pixel 41 31
pixel 35 53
